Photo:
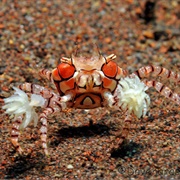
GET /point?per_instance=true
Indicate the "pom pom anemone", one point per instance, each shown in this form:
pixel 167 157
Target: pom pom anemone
pixel 131 96
pixel 19 104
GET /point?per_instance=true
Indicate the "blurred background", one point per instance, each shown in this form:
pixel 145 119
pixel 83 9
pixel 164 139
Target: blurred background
pixel 35 34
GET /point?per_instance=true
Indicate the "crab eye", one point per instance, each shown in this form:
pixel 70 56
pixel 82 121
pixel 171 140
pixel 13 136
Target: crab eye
pixel 110 69
pixel 66 70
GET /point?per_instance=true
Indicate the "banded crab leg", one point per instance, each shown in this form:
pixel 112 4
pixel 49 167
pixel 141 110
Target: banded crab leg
pixel 157 71
pixel 51 104
pixel 164 90
pixel 125 130
pixel 15 133
pixel 130 97
pixel 54 103
pixel 164 73
pixel 43 130
pixel 46 74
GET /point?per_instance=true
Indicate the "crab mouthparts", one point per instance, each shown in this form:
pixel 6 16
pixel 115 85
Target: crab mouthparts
pixel 89 82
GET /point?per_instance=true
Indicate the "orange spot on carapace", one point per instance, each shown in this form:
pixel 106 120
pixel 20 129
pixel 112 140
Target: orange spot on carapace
pixel 66 70
pixel 110 69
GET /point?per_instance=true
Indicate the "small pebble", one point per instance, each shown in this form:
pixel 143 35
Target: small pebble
pixel 69 166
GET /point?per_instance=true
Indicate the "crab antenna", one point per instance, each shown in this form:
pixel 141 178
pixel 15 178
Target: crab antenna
pixel 74 53
pixel 97 47
pixel 59 60
pixel 75 50
pixel 99 53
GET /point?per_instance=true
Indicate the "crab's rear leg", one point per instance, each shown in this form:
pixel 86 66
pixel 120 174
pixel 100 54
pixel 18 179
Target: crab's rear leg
pixel 164 73
pixel 164 90
pixel 157 71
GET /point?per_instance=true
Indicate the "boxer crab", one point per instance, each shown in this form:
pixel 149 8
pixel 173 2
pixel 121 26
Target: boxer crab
pixel 86 83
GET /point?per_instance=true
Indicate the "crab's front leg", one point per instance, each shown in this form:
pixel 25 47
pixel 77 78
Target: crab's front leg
pixel 130 97
pixel 15 133
pixel 43 129
pixel 22 107
pixel 120 137
pixel 54 105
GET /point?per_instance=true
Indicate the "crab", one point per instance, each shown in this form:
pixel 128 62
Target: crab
pixel 86 83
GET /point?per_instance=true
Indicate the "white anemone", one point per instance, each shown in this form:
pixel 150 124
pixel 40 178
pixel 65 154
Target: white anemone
pixel 131 96
pixel 19 104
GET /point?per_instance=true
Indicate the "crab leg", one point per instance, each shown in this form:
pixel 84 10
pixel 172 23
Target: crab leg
pixel 15 133
pixel 54 103
pixel 163 72
pixel 125 130
pixel 47 74
pixel 157 71
pixel 23 108
pixel 164 90
pixel 37 89
pixel 43 129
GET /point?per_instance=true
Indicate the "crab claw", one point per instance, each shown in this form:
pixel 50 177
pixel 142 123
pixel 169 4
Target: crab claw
pixel 19 104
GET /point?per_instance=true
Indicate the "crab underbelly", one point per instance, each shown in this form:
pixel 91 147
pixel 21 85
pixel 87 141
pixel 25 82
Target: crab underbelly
pixel 87 101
